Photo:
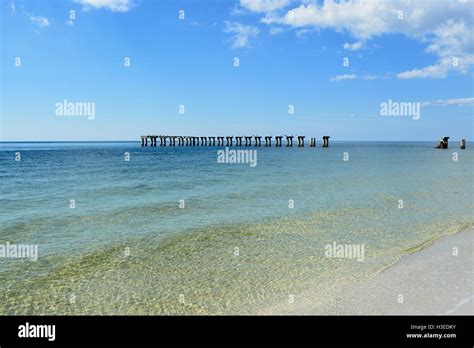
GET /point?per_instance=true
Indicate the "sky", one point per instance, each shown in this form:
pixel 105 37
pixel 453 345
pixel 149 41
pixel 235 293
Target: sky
pixel 304 67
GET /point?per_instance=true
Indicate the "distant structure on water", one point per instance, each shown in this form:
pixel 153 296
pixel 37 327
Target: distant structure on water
pixel 443 144
pixel 180 140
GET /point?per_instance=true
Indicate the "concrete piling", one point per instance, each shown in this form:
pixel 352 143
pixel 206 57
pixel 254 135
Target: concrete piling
pixel 326 141
pixel 301 140
pixel 462 144
pixel 268 141
pixel 278 141
pixel 248 141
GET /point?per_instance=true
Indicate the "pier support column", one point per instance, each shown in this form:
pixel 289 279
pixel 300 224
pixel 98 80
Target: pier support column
pixel 203 141
pixel 326 141
pixel 462 144
pixel 238 141
pixel 268 141
pixel 301 141
pixel 229 141
pixel 143 140
pixel 278 141
pixel 312 142
pixel 258 140
pixel 248 141
pixel 220 141
pixel 289 140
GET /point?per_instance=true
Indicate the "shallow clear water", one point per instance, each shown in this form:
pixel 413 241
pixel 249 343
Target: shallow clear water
pixel 236 247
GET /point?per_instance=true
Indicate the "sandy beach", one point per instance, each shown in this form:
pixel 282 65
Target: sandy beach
pixel 431 281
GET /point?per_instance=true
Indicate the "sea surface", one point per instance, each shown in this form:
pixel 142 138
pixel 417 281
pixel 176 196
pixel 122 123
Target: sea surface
pixel 172 231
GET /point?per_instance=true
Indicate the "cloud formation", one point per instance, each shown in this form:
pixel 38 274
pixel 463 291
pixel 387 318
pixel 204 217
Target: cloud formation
pixel 40 21
pixel 353 46
pixel 111 5
pixel 343 77
pixel 264 5
pixel 448 102
pixel 446 27
pixel 241 33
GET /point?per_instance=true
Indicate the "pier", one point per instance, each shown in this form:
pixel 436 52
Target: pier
pixel 246 140
pixel 240 140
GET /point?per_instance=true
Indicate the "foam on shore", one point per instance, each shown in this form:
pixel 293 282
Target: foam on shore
pixel 431 281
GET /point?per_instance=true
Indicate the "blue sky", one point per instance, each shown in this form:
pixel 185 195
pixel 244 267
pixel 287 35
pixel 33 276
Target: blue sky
pixel 290 52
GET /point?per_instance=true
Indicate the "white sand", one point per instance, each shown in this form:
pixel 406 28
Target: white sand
pixel 432 281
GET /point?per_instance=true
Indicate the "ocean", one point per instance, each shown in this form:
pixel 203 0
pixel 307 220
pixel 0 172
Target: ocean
pixel 125 229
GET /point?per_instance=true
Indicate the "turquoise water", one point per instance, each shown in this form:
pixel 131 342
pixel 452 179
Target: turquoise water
pixel 236 247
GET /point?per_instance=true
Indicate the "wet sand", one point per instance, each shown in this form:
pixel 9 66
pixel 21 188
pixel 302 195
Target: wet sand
pixel 431 281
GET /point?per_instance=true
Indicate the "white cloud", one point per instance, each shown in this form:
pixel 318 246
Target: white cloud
pixel 445 26
pixel 301 33
pixel 40 21
pixel 276 30
pixel 343 77
pixel 436 70
pixel 448 102
pixel 112 5
pixel 354 76
pixel 242 33
pixel 13 7
pixel 353 46
pixel 237 11
pixel 264 5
